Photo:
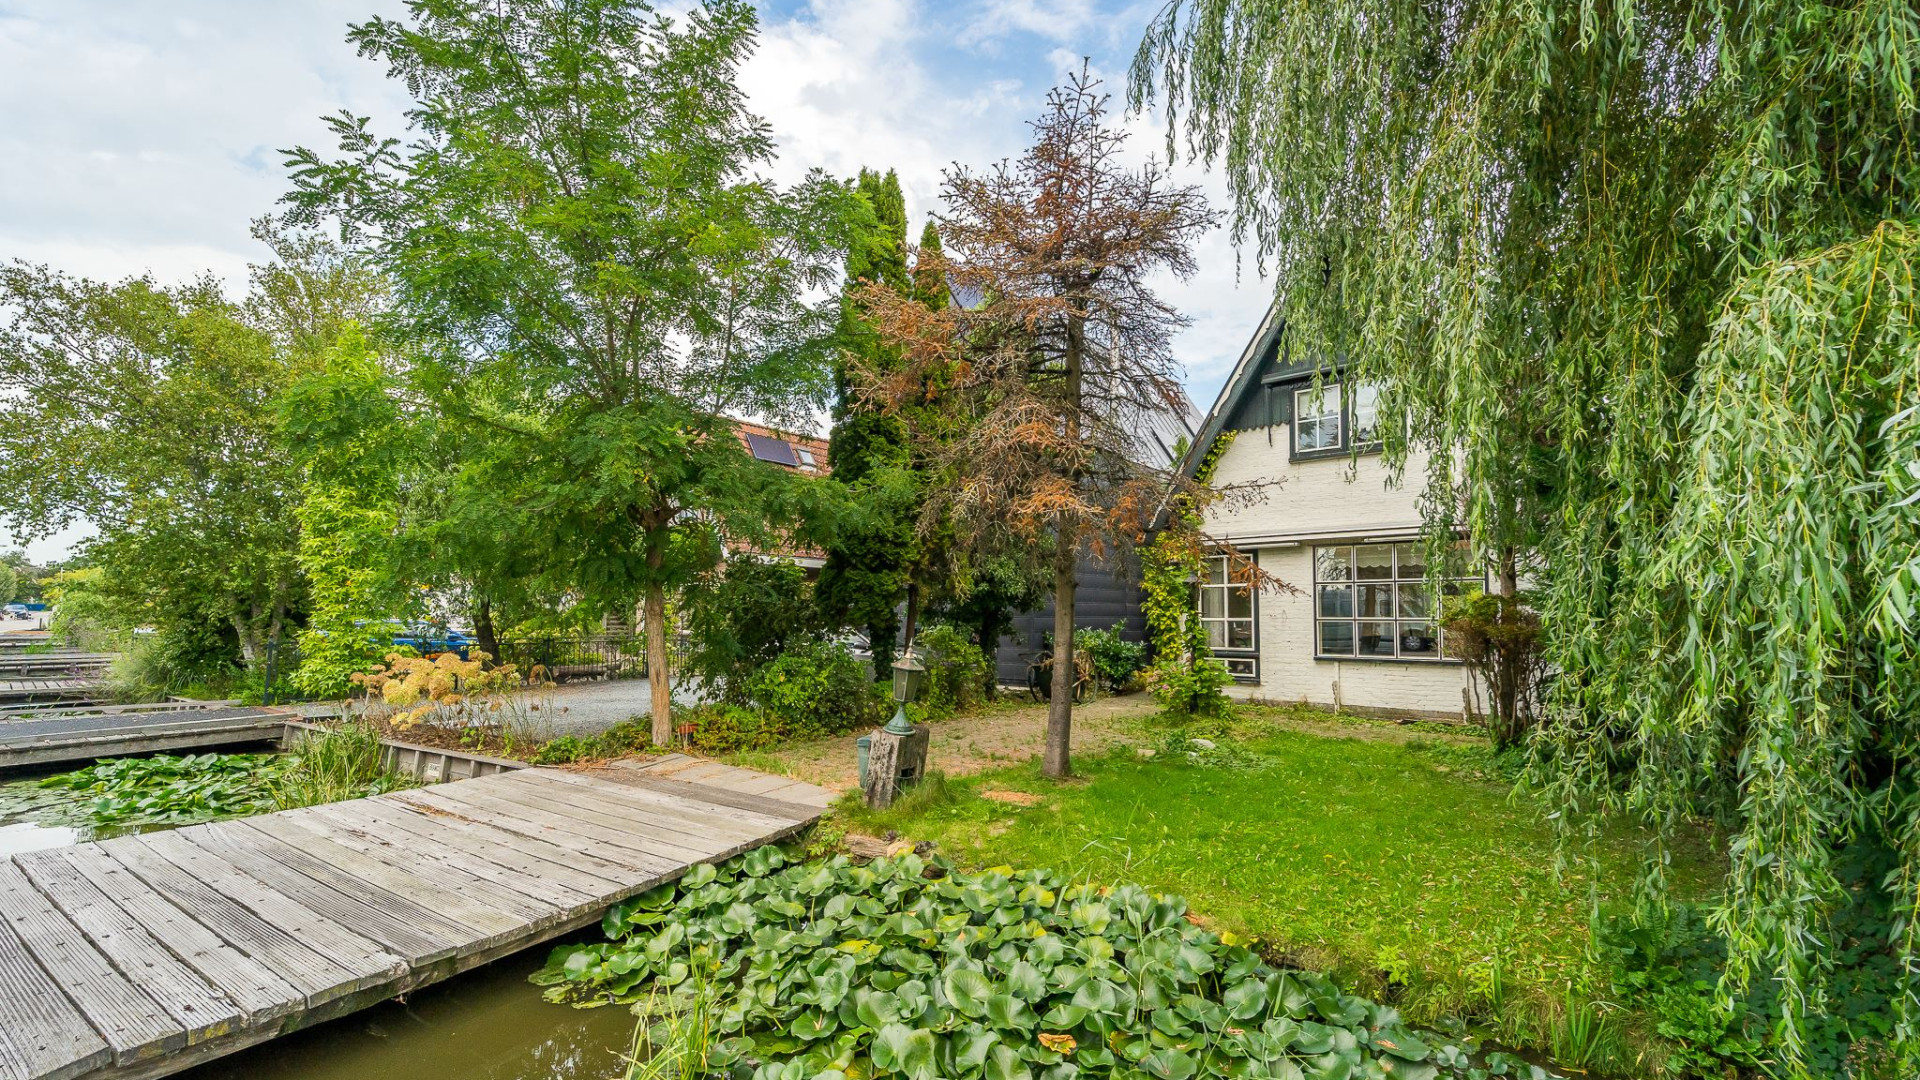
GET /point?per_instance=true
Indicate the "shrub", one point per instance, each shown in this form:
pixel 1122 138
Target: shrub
pixel 621 739
pixel 742 617
pixel 1115 659
pixel 429 689
pixel 725 729
pixel 179 658
pixel 957 671
pixel 1499 637
pixel 1190 689
pixel 814 689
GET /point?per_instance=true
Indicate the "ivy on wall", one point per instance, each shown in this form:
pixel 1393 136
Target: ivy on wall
pixel 1185 678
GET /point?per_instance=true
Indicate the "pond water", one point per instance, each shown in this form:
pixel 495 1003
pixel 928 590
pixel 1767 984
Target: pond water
pixel 488 1024
pixel 33 817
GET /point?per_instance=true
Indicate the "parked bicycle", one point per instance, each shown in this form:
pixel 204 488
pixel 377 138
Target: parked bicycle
pixel 1040 676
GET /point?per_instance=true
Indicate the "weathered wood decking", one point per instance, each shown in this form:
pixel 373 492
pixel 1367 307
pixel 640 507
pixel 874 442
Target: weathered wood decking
pixel 69 736
pixel 143 955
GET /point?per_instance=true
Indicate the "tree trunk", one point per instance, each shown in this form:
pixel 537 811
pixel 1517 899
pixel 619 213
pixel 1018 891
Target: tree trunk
pixel 913 611
pixel 659 677
pixel 1065 556
pixel 243 629
pixel 1060 706
pixel 659 674
pixel 880 646
pixel 483 628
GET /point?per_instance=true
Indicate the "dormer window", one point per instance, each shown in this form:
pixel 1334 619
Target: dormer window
pixel 1316 418
pixel 1332 417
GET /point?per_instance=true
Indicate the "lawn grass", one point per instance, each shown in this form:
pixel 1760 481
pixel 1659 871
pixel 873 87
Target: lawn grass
pixel 1407 866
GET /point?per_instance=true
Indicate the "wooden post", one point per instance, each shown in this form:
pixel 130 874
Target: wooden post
pixel 893 762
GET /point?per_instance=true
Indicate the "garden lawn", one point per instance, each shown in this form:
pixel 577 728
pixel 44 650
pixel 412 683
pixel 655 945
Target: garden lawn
pixel 1407 868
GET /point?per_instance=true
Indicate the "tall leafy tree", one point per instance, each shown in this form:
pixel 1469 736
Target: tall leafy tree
pixel 870 555
pixel 590 272
pixel 149 410
pixel 1052 368
pixel 1641 279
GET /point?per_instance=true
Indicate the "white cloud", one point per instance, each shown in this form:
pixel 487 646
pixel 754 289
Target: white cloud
pixel 142 137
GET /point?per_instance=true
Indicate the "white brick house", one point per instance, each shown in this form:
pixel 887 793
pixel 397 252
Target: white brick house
pixel 1360 633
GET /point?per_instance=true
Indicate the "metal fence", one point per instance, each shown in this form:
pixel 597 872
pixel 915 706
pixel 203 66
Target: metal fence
pixel 560 659
pixel 550 659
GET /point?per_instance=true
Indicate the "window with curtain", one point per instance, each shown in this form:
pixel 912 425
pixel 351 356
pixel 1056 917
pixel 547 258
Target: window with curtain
pixel 1374 601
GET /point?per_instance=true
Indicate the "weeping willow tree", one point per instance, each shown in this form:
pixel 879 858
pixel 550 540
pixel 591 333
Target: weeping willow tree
pixel 1640 277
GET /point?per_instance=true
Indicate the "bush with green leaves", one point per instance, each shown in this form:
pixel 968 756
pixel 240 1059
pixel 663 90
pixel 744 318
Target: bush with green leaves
pixel 742 617
pixel 719 728
pixel 957 670
pixel 1190 687
pixel 1115 659
pixel 909 968
pixel 815 688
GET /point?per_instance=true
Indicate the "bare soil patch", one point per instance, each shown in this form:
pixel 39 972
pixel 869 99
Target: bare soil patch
pixel 999 734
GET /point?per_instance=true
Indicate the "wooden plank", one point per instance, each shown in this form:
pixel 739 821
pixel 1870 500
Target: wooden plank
pixel 260 994
pixel 202 1011
pixel 42 1036
pixel 612 821
pixel 377 919
pixel 792 811
pixel 515 855
pixel 539 890
pixel 427 877
pixel 318 976
pixel 697 821
pixel 134 1025
pixel 679 801
pixel 562 829
pixel 326 936
pixel 486 830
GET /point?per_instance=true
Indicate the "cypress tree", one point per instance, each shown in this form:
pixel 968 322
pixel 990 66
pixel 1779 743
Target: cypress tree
pixel 865 576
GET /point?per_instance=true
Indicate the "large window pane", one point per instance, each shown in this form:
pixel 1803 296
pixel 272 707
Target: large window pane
pixel 1240 603
pixel 1376 639
pixel 1240 634
pixel 1333 564
pixel 1417 641
pixel 1412 559
pixel 1216 635
pixel 1366 413
pixel 1414 601
pixel 1336 638
pixel 1217 571
pixel 1336 601
pixel 1376 602
pixel 1373 562
pixel 1213 603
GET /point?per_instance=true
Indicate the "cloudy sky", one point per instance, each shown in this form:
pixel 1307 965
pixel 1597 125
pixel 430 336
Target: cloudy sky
pixel 140 137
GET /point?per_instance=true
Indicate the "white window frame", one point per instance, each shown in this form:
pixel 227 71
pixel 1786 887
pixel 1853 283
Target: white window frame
pixel 1407 626
pixel 1324 392
pixel 1240 660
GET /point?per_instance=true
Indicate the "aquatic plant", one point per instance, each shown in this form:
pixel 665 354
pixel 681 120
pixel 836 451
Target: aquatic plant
pixel 174 790
pixel 907 967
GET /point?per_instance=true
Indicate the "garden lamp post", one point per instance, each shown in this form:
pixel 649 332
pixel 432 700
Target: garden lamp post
pixel 896 755
pixel 909 676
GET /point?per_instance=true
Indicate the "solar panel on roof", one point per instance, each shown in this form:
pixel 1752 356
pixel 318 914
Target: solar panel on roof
pixel 778 451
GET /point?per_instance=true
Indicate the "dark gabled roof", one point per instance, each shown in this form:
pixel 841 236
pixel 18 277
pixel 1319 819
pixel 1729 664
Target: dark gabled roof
pixel 1266 341
pixel 1267 359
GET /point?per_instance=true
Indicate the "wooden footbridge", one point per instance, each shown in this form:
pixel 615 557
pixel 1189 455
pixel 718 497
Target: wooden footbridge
pixel 143 955
pixel 54 736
